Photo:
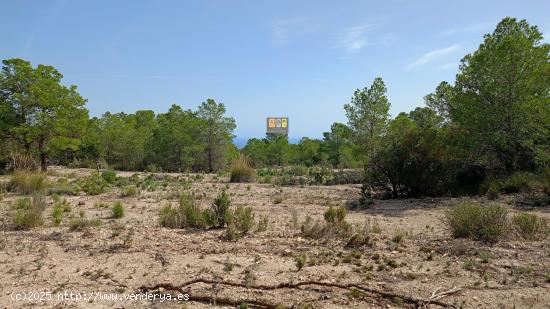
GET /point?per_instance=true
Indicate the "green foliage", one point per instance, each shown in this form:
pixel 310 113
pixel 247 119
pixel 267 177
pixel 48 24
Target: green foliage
pixel 118 210
pixel 59 208
pixel 241 171
pixel 93 184
pixel 187 214
pixel 109 177
pixel 220 206
pixel 81 223
pixel 530 226
pixel 501 97
pixel 129 191
pixel 470 220
pixel 27 213
pixel 217 133
pixel 37 112
pixel 170 217
pixel 300 261
pixel 335 216
pixel 27 182
pixel 368 115
pixel 243 219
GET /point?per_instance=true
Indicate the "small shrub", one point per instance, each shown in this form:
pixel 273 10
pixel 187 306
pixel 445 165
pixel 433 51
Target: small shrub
pixel 262 224
pixel 530 226
pixel 118 210
pixel 82 223
pixel 27 182
pixel 170 217
pixel 470 220
pixel 335 216
pixel 57 214
pixel 109 177
pixel 93 184
pixel 398 236
pixel 28 214
pixel 231 233
pixel 192 213
pixel 243 218
pixel 241 171
pixel 485 256
pixel 129 191
pixel 300 261
pixel 493 191
pixel 220 207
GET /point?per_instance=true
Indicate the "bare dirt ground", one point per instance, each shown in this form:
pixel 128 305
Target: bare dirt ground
pixel 134 254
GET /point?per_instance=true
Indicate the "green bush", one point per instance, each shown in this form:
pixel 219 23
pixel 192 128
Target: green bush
pixel 187 214
pixel 220 207
pixel 93 184
pixel 28 213
pixel 129 191
pixel 193 215
pixel 118 210
pixel 27 182
pixel 300 261
pixel 530 226
pixel 243 218
pixel 170 217
pixel 519 182
pixel 335 216
pixel 109 177
pixel 241 171
pixel 471 220
pixel 59 208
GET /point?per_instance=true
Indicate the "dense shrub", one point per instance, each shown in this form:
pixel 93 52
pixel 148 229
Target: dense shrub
pixel 335 216
pixel 241 171
pixel 187 214
pixel 28 213
pixel 220 206
pixel 109 177
pixel 93 184
pixel 519 182
pixel 27 182
pixel 530 226
pixel 118 210
pixel 170 217
pixel 243 219
pixel 470 220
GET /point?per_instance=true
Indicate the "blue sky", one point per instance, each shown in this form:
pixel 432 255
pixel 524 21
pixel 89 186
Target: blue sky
pixel 300 59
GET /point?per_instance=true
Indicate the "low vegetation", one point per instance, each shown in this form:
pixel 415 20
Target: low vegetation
pixel 118 210
pixel 241 171
pixel 24 182
pixel 27 213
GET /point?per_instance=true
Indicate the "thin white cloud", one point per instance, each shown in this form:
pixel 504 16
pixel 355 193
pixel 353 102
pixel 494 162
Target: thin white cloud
pixel 355 38
pixel 479 27
pixel 448 66
pixel 284 29
pixel 433 55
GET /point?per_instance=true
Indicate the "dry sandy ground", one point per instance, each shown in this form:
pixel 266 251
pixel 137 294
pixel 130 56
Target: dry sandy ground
pixel 123 256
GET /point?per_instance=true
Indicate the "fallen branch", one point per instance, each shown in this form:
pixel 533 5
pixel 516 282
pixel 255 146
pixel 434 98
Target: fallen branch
pixel 289 285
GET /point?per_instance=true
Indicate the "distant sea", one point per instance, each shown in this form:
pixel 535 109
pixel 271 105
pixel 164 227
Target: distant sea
pixel 240 142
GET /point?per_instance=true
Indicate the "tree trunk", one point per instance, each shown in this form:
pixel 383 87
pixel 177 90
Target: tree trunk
pixel 43 156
